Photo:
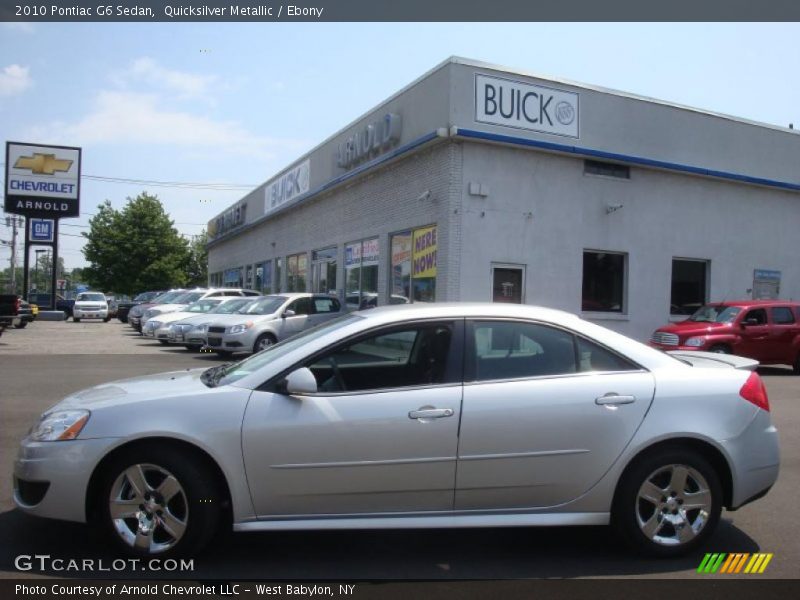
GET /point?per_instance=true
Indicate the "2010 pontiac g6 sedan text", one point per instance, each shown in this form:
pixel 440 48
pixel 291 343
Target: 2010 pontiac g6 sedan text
pixel 442 415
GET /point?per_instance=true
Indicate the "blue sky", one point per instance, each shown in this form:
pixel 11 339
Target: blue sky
pixel 232 104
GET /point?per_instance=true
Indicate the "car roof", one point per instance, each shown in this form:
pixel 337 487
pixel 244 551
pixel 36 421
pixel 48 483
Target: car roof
pixel 467 309
pixel 743 303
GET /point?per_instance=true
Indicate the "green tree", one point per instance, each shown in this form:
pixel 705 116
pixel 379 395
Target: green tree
pixel 134 249
pixel 197 267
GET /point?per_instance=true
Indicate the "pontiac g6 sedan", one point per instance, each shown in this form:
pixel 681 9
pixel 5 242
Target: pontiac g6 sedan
pixel 443 415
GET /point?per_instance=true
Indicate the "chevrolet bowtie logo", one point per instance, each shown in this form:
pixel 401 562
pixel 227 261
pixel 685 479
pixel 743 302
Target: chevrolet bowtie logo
pixel 43 164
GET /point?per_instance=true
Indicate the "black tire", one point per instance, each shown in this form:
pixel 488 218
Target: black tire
pixel 76 320
pixel 194 347
pixel 198 504
pixel 224 353
pixel 21 325
pixel 796 366
pixel 106 320
pixel 264 341
pixel 631 514
pixel 721 349
pixel 123 319
pixel 163 342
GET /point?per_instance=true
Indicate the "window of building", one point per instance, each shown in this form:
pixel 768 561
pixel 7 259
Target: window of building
pixel 264 277
pixel 278 274
pixel 323 271
pixel 689 285
pixel 296 272
pixel 606 169
pixel 507 283
pixel 603 281
pixel 248 277
pixel 233 278
pixel 414 255
pixel 782 315
pixel 361 273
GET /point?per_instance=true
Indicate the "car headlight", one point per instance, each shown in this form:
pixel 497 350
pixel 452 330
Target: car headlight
pixel 695 342
pixel 59 425
pixel 242 327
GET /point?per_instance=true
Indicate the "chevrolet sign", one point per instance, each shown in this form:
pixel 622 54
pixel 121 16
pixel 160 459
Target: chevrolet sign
pixel 42 181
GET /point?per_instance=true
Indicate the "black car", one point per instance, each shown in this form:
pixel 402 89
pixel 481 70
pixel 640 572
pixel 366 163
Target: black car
pixel 25 315
pixel 124 307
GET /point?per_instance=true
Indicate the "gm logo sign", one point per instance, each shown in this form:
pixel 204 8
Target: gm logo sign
pixel 42 230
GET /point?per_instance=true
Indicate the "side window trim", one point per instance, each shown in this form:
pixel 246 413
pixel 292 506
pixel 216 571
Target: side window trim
pixel 455 357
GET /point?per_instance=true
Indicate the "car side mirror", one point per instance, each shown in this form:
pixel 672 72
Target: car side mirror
pixel 300 381
pixel 288 313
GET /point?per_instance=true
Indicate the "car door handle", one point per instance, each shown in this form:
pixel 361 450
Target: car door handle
pixel 430 413
pixel 612 398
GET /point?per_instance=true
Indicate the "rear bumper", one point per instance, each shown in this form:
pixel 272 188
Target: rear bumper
pixel 79 313
pixel 755 460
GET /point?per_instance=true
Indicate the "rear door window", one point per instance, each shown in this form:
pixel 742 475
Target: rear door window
pixel 782 315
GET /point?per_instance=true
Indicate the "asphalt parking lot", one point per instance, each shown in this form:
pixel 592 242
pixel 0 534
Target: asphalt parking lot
pixel 47 360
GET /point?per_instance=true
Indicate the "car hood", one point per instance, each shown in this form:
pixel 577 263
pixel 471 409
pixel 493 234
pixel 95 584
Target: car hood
pixel 168 308
pixel 171 317
pixel 693 327
pixel 136 389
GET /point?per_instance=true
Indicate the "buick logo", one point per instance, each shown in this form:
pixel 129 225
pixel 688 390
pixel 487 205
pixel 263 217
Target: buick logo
pixel 565 113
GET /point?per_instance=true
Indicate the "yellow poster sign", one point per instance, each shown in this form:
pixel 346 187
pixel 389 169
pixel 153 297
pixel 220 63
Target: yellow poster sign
pixel 424 261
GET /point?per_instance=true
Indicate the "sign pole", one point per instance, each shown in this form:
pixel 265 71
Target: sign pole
pixel 26 268
pixel 54 273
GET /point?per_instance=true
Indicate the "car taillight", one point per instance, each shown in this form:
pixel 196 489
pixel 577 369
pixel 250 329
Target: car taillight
pixel 754 391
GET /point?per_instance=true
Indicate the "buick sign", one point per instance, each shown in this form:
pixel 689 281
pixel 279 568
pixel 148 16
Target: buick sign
pixel 524 106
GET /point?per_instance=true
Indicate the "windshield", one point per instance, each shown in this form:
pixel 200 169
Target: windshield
pixel 203 306
pixel 225 374
pixel 231 306
pixel 90 298
pixel 714 313
pixel 187 298
pixel 167 297
pixel 145 296
pixel 265 306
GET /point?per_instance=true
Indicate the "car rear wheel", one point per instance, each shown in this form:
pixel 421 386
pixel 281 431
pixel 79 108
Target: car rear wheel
pixel 158 501
pixel 721 349
pixel 667 503
pixel 76 320
pixel 21 325
pixel 264 341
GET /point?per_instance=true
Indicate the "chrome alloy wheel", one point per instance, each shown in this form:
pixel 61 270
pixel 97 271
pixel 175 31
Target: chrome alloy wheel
pixel 264 343
pixel 148 508
pixel 673 505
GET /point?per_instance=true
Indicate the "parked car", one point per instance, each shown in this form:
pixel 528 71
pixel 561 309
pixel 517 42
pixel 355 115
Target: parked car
pixel 442 415
pixel 43 300
pixel 191 331
pixel 25 315
pixel 9 309
pixel 113 306
pixel 270 321
pixel 191 296
pixel 124 307
pixel 90 305
pixel 136 312
pixel 765 330
pixel 158 326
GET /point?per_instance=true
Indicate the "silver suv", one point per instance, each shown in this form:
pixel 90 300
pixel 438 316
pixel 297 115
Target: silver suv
pixel 269 321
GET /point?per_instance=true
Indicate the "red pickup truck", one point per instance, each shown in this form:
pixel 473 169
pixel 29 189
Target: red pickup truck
pixel 765 330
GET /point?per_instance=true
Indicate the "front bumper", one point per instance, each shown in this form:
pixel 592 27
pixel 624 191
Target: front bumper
pixel 65 468
pixel 231 342
pixel 79 313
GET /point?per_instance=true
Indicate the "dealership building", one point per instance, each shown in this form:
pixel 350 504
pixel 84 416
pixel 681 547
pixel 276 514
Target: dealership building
pixel 478 183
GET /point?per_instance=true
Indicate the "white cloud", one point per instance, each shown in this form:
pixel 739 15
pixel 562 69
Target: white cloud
pixel 123 117
pixel 151 72
pixel 19 26
pixel 14 79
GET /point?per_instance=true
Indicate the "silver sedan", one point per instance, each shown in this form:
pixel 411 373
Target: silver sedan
pixel 440 415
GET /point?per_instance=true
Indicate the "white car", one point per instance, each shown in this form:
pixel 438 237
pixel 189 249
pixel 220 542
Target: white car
pixel 192 296
pixel 90 305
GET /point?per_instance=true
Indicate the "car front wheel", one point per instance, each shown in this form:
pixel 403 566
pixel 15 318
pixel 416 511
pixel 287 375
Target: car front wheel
pixel 668 503
pixel 158 501
pixel 264 341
